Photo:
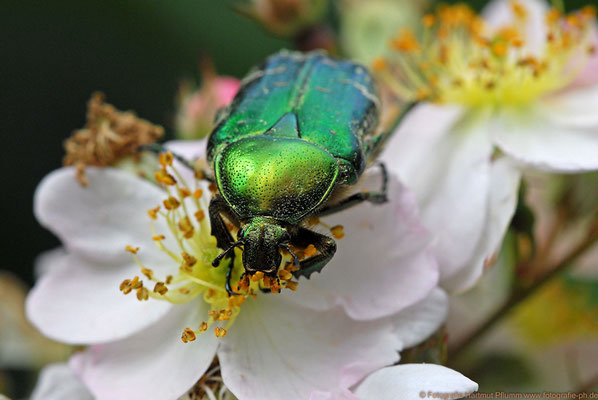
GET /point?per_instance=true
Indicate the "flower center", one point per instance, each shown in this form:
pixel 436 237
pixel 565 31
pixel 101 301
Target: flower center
pixel 192 251
pixel 457 59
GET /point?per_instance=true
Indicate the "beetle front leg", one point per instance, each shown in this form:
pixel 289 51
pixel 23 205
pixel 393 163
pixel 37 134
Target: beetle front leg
pixel 325 246
pixel 224 239
pixel 357 198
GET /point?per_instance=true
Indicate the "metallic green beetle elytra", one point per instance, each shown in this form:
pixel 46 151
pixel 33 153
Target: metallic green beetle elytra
pixel 301 127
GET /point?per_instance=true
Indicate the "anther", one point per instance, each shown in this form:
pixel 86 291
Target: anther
pixel 164 177
pixel 198 193
pixel 258 276
pixel 142 294
pixel 131 249
pixel 186 227
pixel 160 288
pixel 165 159
pixel 200 215
pixel 153 213
pixel 158 238
pixel 219 332
pixel 190 261
pixel 311 250
pixel 188 335
pixel 125 286
pixel 285 275
pixel 338 232
pixel 136 283
pixel 147 272
pixel 203 326
pixel 291 285
pixel 171 203
pixel 184 192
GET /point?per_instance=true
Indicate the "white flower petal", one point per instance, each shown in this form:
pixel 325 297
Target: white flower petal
pixel 573 108
pixel 533 138
pixel 338 395
pixel 155 364
pixel 278 350
pixel 98 221
pixel 505 178
pixel 414 381
pixel 189 149
pixel 382 265
pixel 416 323
pixel 80 303
pixel 57 382
pixel 498 14
pixel 444 157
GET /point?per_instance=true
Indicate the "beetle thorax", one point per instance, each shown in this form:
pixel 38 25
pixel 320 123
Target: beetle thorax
pixel 281 178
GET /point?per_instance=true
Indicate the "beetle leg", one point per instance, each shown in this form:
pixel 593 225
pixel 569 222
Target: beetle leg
pixel 325 246
pixel 224 239
pixel 158 148
pixel 357 198
pixel 229 275
pixel 219 230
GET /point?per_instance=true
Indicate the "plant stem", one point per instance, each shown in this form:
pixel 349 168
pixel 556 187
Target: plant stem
pixel 517 296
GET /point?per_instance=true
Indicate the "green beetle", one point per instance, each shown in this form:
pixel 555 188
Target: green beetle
pixel 301 127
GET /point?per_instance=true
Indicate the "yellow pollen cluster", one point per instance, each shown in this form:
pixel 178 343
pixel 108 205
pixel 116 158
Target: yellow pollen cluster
pixel 456 58
pixel 185 237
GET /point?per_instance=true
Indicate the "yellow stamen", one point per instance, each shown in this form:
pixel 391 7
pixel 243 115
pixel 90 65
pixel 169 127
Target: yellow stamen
pixel 458 59
pixel 131 249
pixel 165 159
pixel 338 232
pixel 219 332
pixel 188 335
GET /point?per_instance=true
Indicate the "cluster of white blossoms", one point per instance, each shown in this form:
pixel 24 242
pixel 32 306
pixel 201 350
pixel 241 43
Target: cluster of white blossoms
pixel 511 91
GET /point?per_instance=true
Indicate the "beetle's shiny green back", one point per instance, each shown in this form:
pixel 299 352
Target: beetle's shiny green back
pixel 329 103
pixel 284 178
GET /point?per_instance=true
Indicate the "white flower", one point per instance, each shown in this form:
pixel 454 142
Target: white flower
pixel 58 382
pixel 334 330
pixel 511 98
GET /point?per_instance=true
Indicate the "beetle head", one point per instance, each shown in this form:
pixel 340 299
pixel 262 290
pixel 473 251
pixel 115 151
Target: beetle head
pixel 262 239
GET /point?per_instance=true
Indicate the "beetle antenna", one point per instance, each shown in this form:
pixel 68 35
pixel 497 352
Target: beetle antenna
pixel 295 258
pixel 217 260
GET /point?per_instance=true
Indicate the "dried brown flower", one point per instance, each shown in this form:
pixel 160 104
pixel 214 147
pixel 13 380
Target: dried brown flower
pixel 108 136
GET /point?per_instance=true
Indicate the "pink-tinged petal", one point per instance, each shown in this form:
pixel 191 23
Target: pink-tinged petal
pixel 444 156
pixel 188 149
pixel 277 350
pixel 78 302
pixel 415 381
pixel 573 108
pixel 225 89
pixel 505 178
pixel 416 323
pixel 534 138
pixel 341 394
pixel 98 221
pixel 499 14
pixel 155 364
pixel 57 382
pixel 589 75
pixel 382 265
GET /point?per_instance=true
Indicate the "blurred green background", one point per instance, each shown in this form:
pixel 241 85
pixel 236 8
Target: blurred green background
pixel 55 54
